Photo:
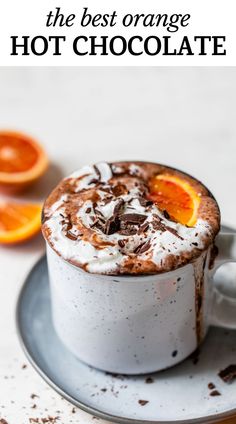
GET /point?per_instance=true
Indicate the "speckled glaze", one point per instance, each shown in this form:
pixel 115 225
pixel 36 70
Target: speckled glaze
pixel 127 324
pixel 139 324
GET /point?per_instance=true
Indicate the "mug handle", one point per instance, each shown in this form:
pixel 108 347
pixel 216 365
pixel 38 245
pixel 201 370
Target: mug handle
pixel 224 307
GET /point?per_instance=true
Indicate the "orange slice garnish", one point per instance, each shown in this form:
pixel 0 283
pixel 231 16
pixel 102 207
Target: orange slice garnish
pixel 176 196
pixel 22 160
pixel 19 222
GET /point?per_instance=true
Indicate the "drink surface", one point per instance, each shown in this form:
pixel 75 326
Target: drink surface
pixel 130 218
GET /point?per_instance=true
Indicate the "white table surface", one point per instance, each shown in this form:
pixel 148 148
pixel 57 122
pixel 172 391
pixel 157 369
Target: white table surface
pixel 182 117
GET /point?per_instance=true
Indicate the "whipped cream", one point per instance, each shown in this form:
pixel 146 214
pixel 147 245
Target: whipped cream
pixel 120 226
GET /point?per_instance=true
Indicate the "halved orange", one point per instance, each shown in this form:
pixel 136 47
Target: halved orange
pixel 19 221
pixel 176 196
pixel 22 160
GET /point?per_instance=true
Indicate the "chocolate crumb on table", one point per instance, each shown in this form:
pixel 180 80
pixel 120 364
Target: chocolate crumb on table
pixel 228 374
pixel 49 419
pixel 143 402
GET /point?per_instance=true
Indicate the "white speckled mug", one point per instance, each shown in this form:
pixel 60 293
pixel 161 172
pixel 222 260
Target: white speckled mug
pixel 139 324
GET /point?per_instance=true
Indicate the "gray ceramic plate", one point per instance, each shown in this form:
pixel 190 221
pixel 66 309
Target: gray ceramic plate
pixel 178 395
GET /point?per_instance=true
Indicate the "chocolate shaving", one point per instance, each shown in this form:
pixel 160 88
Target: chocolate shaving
pixel 105 189
pixel 101 216
pixel 129 231
pixel 107 200
pixel 158 226
pixel 88 210
pixel 121 243
pixel 93 181
pixel 70 235
pixel 166 215
pixel 118 207
pixel 173 231
pixel 97 224
pixel 144 227
pixel 112 225
pixel 145 202
pixel 133 218
pixel 228 374
pixel 143 247
pixel 97 172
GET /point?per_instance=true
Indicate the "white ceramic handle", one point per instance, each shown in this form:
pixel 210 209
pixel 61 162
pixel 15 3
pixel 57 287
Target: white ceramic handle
pixel 224 307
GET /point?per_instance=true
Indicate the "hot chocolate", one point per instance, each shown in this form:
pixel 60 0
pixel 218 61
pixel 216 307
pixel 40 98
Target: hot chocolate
pixel 112 218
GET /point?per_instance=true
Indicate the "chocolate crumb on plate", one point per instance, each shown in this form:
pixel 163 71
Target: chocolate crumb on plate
pixel 228 374
pixel 215 393
pixel 211 386
pixel 2 421
pixel 149 380
pixel 143 402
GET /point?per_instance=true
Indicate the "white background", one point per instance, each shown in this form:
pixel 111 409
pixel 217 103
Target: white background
pixel 27 17
pixel 183 117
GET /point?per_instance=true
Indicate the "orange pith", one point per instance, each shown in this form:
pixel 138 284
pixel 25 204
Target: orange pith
pixel 19 222
pixel 22 160
pixel 176 196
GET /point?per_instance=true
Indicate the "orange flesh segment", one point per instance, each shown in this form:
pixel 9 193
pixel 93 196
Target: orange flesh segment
pixel 19 222
pixel 176 196
pixel 16 154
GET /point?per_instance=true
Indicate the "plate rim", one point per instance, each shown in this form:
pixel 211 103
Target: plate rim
pixel 83 406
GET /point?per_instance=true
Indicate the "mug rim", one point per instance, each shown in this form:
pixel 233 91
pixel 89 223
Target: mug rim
pixel 130 276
